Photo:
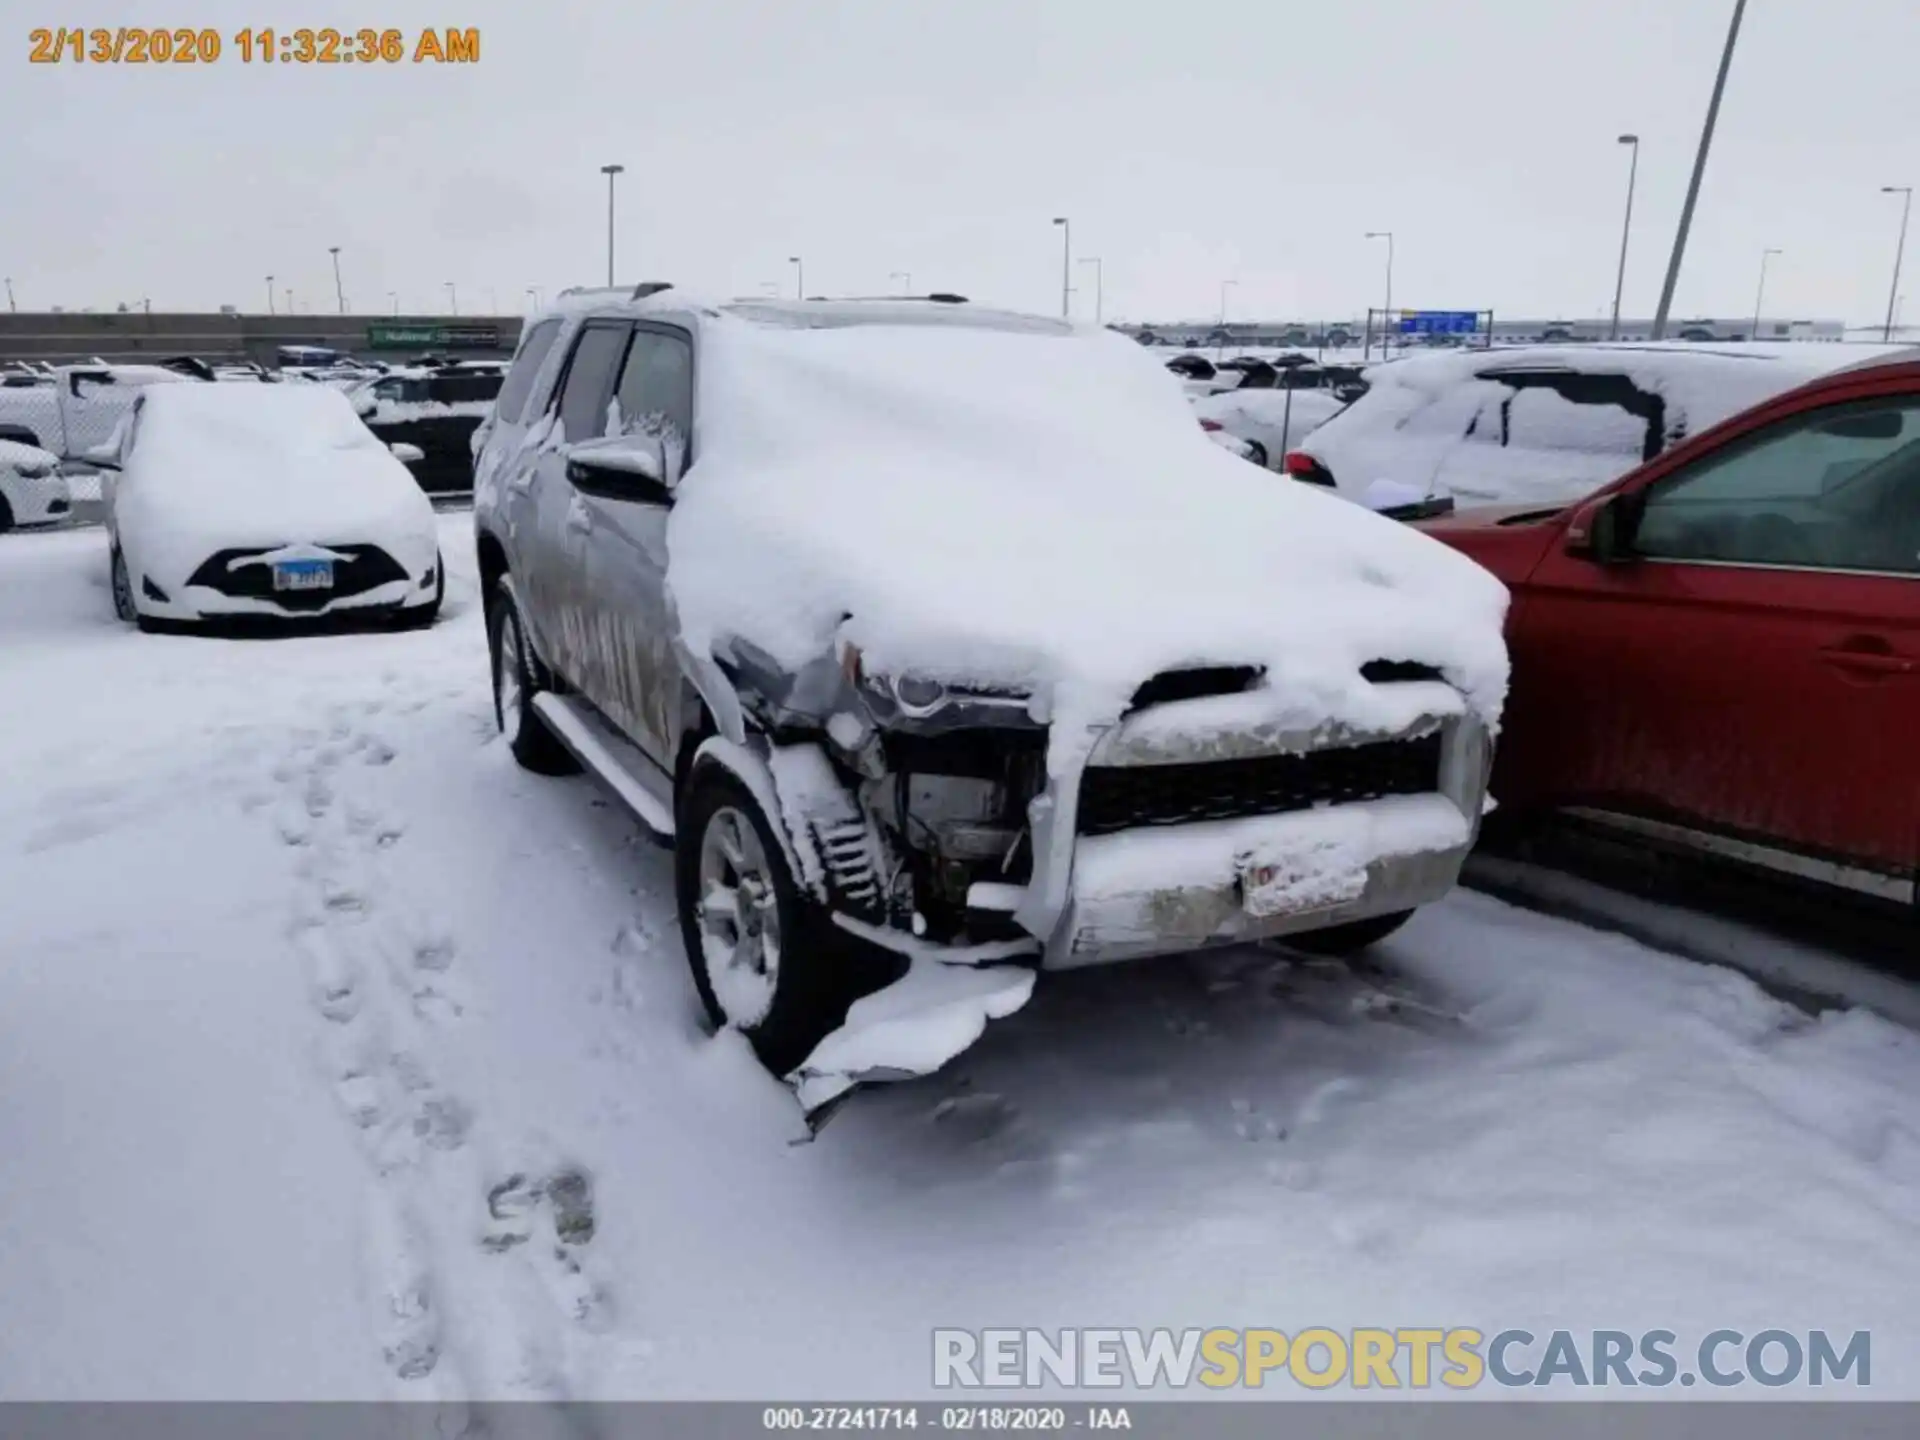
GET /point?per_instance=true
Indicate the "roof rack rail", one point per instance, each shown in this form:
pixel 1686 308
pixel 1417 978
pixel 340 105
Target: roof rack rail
pixel 650 287
pixel 942 297
pixel 592 290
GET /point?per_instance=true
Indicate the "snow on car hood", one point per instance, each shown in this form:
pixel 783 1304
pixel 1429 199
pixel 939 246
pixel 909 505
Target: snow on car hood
pixel 219 466
pixel 1038 510
pixel 27 459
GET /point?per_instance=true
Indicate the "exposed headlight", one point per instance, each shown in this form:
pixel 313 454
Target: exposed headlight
pixel 912 699
pixel 916 696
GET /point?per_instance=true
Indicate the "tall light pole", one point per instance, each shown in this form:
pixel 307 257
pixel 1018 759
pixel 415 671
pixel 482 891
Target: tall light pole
pixel 1699 170
pixel 1899 249
pixel 288 292
pixel 270 295
pixel 1760 293
pixel 453 299
pixel 1626 229
pixel 610 171
pixel 1066 267
pixel 393 299
pixel 1221 348
pixel 799 277
pixel 905 277
pixel 1387 308
pixel 533 294
pixel 1099 287
pixel 12 309
pixel 338 294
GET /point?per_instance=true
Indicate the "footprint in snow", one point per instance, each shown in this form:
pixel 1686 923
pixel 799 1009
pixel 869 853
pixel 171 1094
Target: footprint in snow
pixel 406 1318
pixel 975 1118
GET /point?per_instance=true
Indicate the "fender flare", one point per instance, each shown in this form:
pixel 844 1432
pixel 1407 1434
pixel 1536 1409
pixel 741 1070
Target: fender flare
pixel 751 767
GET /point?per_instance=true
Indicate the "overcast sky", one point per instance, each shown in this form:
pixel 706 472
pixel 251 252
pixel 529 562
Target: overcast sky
pixel 1191 143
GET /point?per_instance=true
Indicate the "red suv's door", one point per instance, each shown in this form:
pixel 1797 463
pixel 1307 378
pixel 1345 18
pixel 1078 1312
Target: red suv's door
pixel 1750 672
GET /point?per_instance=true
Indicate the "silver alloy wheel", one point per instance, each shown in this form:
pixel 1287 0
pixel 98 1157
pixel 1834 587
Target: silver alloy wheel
pixel 739 916
pixel 123 605
pixel 506 675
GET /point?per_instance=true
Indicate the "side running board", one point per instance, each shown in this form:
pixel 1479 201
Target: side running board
pixel 634 780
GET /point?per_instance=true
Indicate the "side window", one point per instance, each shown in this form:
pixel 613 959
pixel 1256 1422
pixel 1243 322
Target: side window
pixel 526 369
pixel 389 389
pixel 583 395
pixel 656 389
pixel 1543 419
pixel 1834 489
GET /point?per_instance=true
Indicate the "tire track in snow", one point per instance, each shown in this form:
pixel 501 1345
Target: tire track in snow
pixel 479 1279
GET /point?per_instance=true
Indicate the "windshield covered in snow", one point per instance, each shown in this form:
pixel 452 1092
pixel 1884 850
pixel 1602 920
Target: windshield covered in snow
pixel 199 425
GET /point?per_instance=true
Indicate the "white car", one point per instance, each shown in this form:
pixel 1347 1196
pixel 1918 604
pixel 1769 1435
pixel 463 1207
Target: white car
pixel 1540 424
pixel 266 501
pixel 32 489
pixel 1263 425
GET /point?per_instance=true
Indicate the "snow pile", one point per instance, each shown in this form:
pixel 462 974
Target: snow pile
pixel 217 466
pixel 1035 507
pixel 397 412
pixel 1437 422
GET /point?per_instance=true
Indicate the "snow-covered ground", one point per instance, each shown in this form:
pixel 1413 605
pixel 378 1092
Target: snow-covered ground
pixel 339 1057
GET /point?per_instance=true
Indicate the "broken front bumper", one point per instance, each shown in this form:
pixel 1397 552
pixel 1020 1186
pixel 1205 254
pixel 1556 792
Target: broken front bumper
pixel 1157 890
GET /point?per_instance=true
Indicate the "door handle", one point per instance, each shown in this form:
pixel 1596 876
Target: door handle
pixel 1869 657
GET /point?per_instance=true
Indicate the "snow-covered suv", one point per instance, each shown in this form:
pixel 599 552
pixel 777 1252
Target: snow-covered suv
pixel 945 649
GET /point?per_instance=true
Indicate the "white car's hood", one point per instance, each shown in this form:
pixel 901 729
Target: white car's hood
pixel 175 519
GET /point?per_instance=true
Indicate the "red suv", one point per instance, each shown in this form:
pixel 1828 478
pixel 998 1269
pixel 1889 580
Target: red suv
pixel 1721 650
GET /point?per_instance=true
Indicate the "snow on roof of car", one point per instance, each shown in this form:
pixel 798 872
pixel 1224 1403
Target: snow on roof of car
pixel 892 310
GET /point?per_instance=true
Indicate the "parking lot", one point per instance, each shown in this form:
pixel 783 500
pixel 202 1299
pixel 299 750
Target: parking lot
pixel 324 1023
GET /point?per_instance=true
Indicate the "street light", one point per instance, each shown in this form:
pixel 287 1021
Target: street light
pixel 905 277
pixel 1899 249
pixel 610 171
pixel 1221 347
pixel 1699 169
pixel 270 295
pixel 338 294
pixel 1066 267
pixel 1099 287
pixel 1765 255
pixel 393 298
pixel 799 277
pixel 288 292
pixel 11 307
pixel 1626 228
pixel 1387 310
pixel 453 299
pixel 533 294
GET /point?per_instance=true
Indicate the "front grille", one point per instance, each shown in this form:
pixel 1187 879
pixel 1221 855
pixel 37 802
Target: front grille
pixel 1389 672
pixel 1126 797
pixel 1195 683
pixel 368 568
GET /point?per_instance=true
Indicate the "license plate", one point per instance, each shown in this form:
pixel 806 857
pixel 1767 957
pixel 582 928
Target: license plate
pixel 303 575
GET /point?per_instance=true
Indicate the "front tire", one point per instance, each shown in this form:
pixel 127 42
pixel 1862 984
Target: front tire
pixel 6 515
pixel 766 959
pixel 515 684
pixel 124 607
pixel 1257 453
pixel 1348 939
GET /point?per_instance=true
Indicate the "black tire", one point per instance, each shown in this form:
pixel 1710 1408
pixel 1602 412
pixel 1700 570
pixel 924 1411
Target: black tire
pixel 120 581
pixel 533 745
pixel 820 973
pixel 1347 939
pixel 1257 453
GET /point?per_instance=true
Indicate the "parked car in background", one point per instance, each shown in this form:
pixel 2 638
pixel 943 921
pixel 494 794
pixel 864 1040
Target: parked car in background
pixel 1267 422
pixel 1038 709
pixel 1720 652
pixel 264 502
pixel 80 406
pixel 1539 425
pixel 32 489
pixel 436 411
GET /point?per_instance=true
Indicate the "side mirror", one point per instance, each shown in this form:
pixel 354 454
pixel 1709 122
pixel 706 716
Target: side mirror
pixel 1393 495
pixel 407 454
pixel 1602 529
pixel 104 456
pixel 641 456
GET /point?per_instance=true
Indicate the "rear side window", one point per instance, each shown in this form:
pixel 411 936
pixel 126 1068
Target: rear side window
pixel 656 389
pixel 526 367
pixel 589 382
